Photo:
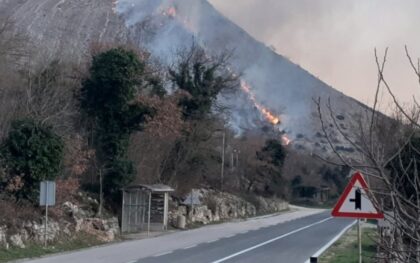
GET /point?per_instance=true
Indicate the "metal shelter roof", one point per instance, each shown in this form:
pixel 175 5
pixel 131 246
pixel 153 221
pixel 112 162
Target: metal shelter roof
pixel 154 188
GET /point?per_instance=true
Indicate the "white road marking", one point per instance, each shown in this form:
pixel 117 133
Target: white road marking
pixel 271 241
pixel 163 254
pixel 332 241
pixel 190 246
pixel 211 241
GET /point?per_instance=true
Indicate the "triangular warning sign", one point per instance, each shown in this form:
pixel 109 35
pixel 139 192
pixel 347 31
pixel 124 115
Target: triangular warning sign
pixel 355 201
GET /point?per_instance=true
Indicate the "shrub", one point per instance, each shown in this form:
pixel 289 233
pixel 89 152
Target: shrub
pixel 32 152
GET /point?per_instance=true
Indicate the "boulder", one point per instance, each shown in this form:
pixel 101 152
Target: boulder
pixel 181 222
pixel 200 214
pixel 16 241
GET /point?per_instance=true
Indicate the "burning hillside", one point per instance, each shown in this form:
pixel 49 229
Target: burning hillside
pixel 279 86
pixel 265 112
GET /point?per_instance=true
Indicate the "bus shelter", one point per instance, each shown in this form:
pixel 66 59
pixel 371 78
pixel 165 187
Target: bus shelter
pixel 145 208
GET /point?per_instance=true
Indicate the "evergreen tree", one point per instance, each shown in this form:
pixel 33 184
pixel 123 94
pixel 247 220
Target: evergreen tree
pixel 32 152
pixel 109 99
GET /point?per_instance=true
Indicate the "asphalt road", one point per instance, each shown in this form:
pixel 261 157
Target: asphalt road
pixel 290 242
pixel 290 237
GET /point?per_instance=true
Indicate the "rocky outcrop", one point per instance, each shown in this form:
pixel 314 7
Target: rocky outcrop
pixel 16 241
pixel 74 220
pixel 212 206
pixel 105 230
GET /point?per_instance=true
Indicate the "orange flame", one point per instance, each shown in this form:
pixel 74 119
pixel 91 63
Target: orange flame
pixel 171 11
pixel 285 140
pixel 269 116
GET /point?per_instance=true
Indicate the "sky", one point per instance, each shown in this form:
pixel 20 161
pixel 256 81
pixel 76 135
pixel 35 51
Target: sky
pixel 335 39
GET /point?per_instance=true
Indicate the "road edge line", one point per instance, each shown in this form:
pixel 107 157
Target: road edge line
pixel 271 240
pixel 332 241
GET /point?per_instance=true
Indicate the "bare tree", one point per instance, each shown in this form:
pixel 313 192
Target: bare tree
pixel 389 156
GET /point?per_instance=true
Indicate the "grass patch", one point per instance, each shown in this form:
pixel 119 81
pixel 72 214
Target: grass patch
pixel 345 250
pixel 36 250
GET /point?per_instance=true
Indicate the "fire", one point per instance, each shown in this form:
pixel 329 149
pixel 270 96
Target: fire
pixel 269 116
pixel 285 140
pixel 171 11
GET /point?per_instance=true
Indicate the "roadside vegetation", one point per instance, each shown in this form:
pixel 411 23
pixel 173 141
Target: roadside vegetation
pixel 346 249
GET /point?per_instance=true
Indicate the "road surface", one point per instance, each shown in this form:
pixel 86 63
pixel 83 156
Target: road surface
pixel 289 238
pixel 293 241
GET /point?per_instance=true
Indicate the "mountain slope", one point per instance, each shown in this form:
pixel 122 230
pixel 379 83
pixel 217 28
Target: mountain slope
pixel 282 86
pixel 164 26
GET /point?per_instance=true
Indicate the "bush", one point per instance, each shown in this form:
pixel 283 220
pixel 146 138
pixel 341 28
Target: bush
pixel 32 152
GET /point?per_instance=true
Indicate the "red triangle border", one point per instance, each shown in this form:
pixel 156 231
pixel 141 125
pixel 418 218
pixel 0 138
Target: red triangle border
pixel 336 211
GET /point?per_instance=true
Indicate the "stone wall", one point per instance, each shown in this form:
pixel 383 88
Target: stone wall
pixel 216 206
pixel 75 220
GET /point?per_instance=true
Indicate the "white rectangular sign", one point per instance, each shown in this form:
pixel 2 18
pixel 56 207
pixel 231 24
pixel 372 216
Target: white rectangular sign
pixel 47 193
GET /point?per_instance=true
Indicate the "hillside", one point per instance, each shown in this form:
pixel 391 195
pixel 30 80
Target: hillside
pixel 165 26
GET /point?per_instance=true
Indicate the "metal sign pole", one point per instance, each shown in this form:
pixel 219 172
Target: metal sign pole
pixel 46 214
pixel 359 235
pixel 148 220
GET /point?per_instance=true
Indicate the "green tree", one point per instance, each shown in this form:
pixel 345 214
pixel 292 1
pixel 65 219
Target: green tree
pixel 109 99
pixel 33 152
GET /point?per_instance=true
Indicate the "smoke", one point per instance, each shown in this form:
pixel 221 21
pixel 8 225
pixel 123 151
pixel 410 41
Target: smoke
pixel 278 86
pixel 335 39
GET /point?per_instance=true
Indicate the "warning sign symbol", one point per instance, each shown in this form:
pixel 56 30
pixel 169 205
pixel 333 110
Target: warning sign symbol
pixel 356 201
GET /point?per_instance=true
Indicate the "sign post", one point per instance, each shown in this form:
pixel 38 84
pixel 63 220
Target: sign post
pixel 46 198
pixel 357 202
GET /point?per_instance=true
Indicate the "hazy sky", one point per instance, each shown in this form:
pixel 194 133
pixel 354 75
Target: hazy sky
pixel 335 39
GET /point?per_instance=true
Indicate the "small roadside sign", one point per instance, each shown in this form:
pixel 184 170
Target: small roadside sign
pixel 47 193
pixel 355 202
pixel 46 198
